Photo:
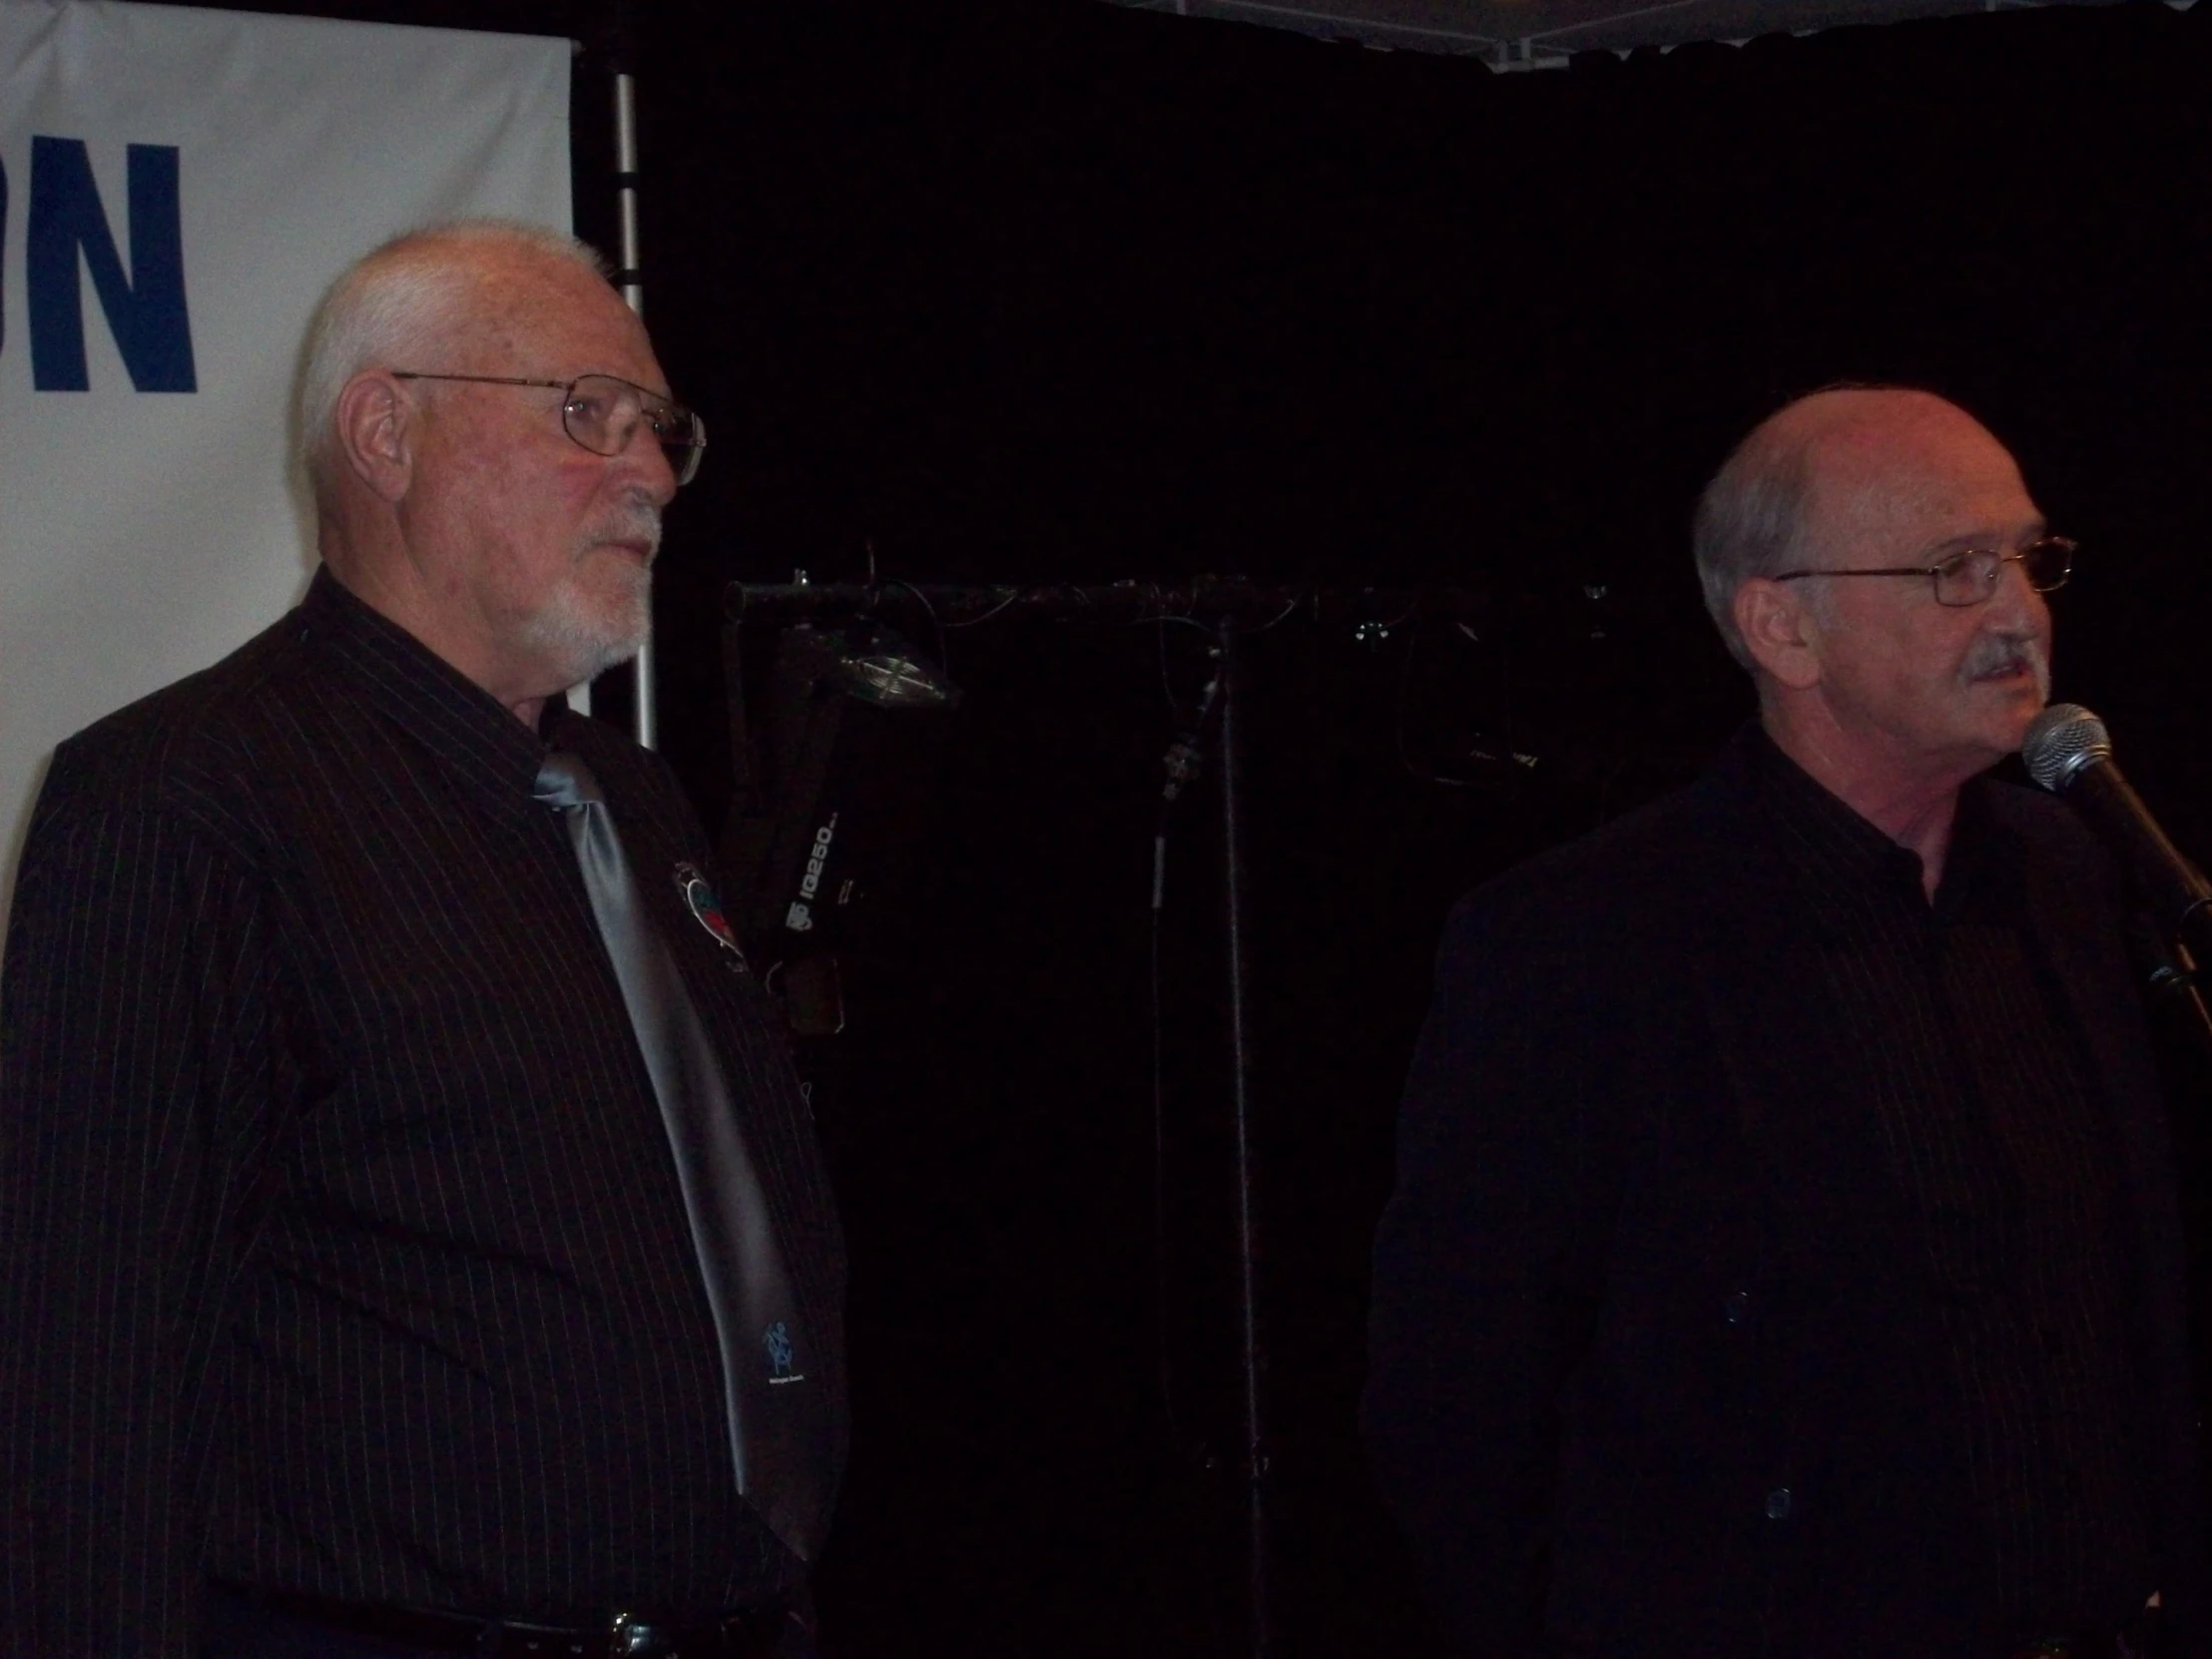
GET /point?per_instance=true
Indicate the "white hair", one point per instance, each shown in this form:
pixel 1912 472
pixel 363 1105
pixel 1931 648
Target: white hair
pixel 395 306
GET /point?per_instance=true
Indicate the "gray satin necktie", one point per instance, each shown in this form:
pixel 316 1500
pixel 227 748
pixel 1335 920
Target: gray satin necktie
pixel 780 1416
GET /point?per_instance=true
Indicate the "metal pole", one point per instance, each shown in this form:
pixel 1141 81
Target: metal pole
pixel 1240 1076
pixel 645 721
pixel 626 186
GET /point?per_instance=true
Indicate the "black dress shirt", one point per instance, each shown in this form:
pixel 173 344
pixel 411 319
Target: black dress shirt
pixel 2000 1147
pixel 344 1250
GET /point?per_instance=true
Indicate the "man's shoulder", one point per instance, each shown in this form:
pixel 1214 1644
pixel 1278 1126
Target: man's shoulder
pixel 2059 852
pixel 639 783
pixel 1642 868
pixel 614 755
pixel 2042 822
pixel 194 739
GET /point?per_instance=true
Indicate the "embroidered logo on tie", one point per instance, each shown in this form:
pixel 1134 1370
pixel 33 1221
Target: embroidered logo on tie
pixel 705 909
pixel 776 1339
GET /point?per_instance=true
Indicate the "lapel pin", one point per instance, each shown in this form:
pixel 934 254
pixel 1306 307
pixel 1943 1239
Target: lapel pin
pixel 706 908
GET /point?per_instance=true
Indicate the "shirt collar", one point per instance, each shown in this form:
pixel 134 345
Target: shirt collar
pixel 402 678
pixel 1843 855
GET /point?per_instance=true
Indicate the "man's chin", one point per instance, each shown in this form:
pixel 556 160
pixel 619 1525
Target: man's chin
pixel 612 654
pixel 584 639
pixel 2005 723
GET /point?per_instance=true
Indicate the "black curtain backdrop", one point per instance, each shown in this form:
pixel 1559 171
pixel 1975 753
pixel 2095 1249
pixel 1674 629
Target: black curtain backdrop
pixel 1061 291
pixel 1047 289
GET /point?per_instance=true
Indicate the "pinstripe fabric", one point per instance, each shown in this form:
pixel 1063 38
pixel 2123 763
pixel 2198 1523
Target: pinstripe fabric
pixel 344 1253
pixel 2006 1160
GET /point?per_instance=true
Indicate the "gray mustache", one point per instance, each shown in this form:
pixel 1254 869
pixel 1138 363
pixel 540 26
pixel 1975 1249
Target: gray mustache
pixel 637 523
pixel 1999 651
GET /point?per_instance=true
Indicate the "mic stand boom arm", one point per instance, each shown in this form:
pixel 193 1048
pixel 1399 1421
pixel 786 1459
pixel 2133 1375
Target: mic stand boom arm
pixel 1211 600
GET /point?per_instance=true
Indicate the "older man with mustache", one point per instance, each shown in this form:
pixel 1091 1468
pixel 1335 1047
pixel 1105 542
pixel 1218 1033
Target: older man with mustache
pixel 1784 1259
pixel 417 1241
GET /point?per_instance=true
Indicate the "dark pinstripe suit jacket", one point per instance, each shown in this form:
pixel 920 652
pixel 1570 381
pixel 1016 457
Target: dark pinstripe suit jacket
pixel 344 1252
pixel 1646 1267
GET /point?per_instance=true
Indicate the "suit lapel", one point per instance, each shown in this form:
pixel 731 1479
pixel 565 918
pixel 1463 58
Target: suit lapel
pixel 2077 938
pixel 2096 980
pixel 2092 973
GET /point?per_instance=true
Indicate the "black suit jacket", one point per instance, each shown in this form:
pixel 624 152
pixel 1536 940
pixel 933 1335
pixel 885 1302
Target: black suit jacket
pixel 1655 1363
pixel 344 1251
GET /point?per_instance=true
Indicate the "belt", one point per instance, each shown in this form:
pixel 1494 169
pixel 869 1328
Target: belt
pixel 747 1635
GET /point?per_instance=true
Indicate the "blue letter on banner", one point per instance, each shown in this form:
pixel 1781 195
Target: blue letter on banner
pixel 145 311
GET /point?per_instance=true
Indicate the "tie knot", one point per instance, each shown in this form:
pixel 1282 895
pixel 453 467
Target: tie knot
pixel 564 782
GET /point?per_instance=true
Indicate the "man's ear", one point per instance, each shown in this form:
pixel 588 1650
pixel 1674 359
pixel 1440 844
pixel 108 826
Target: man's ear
pixel 377 431
pixel 1779 631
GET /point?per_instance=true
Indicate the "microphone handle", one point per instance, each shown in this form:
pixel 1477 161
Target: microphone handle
pixel 2179 894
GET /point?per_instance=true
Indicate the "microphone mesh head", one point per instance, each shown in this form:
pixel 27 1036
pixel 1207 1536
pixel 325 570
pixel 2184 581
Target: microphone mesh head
pixel 2063 740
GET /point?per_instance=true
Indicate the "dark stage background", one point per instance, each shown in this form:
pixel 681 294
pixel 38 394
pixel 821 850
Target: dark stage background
pixel 1056 291
pixel 1046 290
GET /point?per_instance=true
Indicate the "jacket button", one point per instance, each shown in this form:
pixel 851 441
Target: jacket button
pixel 1778 1504
pixel 1737 1308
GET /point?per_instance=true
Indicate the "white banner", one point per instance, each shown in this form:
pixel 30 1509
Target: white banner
pixel 176 189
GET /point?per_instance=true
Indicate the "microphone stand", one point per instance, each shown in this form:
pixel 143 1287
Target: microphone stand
pixel 1252 1355
pixel 1230 608
pixel 2172 979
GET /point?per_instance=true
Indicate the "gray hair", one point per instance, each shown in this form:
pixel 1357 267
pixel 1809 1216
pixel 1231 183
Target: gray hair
pixel 1756 516
pixel 400 302
pixel 1751 521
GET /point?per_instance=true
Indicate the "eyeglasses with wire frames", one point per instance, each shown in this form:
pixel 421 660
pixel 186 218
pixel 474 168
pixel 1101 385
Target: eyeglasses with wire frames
pixel 1970 577
pixel 601 413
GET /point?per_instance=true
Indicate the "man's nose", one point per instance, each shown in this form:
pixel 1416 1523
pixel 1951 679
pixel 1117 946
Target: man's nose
pixel 2016 606
pixel 653 472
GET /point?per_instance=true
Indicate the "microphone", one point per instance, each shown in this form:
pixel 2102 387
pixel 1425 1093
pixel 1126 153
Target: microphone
pixel 2069 752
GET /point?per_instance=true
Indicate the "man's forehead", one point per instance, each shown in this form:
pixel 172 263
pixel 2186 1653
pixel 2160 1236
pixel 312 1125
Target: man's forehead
pixel 1911 466
pixel 550 315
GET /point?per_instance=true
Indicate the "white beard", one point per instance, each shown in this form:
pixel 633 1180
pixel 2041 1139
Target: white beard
pixel 584 640
pixel 583 635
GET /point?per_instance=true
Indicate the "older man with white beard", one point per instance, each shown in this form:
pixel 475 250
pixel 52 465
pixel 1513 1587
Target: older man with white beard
pixel 1785 1259
pixel 416 1238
